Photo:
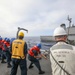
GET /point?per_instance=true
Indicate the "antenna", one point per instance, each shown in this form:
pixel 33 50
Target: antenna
pixel 70 20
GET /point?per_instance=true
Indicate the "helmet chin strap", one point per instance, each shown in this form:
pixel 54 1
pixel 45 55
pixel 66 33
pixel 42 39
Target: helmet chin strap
pixel 60 41
pixel 19 30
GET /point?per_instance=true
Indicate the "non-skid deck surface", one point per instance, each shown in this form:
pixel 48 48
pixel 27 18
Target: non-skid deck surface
pixel 45 65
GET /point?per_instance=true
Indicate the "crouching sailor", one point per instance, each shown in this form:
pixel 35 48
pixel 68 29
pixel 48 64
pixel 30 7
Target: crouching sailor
pixel 33 54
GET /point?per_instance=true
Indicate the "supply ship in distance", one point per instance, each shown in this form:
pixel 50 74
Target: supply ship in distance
pixel 71 34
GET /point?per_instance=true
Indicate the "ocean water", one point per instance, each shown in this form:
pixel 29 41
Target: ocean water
pixel 31 41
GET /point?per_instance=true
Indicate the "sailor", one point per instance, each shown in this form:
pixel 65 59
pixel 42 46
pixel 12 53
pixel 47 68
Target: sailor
pixel 18 50
pixel 62 55
pixel 33 54
pixel 6 52
pixel 0 47
pixel 12 39
pixel 3 51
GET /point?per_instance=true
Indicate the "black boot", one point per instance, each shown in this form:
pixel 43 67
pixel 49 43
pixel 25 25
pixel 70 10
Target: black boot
pixel 9 65
pixel 41 72
pixel 3 61
pixel 31 67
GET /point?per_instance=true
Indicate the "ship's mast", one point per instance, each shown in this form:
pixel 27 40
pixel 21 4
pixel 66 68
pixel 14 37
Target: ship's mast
pixel 70 20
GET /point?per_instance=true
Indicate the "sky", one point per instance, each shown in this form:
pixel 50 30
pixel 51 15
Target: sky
pixel 39 17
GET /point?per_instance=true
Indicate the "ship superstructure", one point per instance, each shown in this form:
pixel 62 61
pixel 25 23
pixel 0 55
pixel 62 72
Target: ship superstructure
pixel 70 30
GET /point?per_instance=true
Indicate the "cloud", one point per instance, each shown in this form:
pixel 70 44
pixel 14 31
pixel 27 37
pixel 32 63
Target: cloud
pixel 38 16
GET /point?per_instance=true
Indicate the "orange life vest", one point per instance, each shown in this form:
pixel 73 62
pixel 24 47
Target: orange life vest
pixel 30 52
pixel 1 44
pixel 7 45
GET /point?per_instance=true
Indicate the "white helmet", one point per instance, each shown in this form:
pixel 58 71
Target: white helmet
pixel 59 31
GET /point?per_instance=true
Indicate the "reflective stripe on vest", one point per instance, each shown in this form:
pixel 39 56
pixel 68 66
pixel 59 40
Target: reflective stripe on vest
pixel 62 47
pixel 18 49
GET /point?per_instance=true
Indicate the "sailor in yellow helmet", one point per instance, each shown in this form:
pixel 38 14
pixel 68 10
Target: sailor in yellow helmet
pixel 19 51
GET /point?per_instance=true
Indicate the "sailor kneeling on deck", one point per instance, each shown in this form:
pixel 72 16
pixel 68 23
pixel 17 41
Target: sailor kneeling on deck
pixel 62 55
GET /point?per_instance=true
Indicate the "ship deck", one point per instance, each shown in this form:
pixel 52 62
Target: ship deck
pixel 45 65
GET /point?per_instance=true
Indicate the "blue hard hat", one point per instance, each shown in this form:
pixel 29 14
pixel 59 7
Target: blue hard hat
pixel 0 38
pixel 5 38
pixel 39 46
pixel 12 39
pixel 8 40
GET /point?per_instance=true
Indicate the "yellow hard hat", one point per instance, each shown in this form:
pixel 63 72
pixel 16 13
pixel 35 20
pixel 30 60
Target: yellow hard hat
pixel 21 34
